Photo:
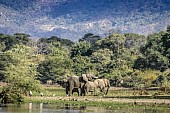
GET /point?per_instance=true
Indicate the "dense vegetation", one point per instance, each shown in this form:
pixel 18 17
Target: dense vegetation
pixel 128 60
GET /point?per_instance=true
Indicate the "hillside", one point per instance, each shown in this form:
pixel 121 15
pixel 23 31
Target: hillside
pixel 72 18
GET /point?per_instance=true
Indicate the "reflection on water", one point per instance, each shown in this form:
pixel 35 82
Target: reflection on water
pixel 72 108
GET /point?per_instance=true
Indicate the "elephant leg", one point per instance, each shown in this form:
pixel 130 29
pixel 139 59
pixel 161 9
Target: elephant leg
pixel 71 91
pixel 107 90
pixel 84 92
pixel 102 90
pixel 94 92
pixel 67 91
pixel 79 92
pixel 87 91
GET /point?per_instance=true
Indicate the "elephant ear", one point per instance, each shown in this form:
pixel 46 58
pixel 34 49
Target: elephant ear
pixel 84 77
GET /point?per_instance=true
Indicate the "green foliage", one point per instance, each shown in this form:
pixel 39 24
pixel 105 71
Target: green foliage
pixel 11 94
pixel 56 66
pixel 90 38
pixel 128 60
pixel 140 63
pixel 134 40
pixel 163 80
pixel 102 56
pixel 19 72
pixel 80 48
pixel 8 41
pixel 165 40
pixel 64 42
pixel 101 59
pixel 81 64
pixel 5 61
pixel 58 51
pixel 55 69
pixel 156 50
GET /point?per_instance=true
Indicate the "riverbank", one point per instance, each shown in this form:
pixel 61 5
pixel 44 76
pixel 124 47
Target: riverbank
pixel 100 101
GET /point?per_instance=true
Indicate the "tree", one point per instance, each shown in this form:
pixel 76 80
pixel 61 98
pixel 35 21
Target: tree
pixel 64 42
pixel 20 75
pixel 101 58
pixel 80 49
pixel 114 42
pixel 140 63
pixel 55 69
pixel 156 50
pixel 81 65
pixel 22 38
pixel 56 66
pixel 90 38
pixel 165 40
pixel 5 61
pixel 10 40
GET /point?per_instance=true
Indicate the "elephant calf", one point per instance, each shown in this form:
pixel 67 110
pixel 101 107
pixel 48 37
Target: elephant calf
pixel 90 87
pixel 101 84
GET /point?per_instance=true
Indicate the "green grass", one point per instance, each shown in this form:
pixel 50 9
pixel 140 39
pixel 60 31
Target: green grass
pixel 104 104
pixel 121 93
pixel 59 91
pixel 81 103
pixel 116 93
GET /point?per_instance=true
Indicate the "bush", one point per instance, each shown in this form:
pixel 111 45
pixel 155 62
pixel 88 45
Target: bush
pixel 11 95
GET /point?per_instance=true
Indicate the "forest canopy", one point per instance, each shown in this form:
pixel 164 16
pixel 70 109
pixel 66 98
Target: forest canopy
pixel 127 60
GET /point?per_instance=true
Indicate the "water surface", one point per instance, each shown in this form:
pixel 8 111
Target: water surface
pixel 70 108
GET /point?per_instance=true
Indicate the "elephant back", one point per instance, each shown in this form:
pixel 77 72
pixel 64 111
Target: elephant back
pixel 74 80
pixel 90 84
pixel 99 82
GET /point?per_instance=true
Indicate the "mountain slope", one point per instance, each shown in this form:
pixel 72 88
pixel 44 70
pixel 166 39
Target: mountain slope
pixel 73 18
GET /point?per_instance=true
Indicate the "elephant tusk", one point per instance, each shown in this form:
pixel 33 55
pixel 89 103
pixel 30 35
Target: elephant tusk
pixel 94 77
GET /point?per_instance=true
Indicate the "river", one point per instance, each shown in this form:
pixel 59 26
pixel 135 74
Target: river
pixel 69 108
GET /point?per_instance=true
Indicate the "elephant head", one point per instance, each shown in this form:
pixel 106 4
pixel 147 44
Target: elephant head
pixel 88 77
pixel 84 76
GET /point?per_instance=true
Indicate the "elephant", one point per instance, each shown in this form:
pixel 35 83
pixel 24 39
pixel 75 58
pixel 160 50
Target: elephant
pixel 49 82
pixel 76 84
pixel 102 84
pixel 90 87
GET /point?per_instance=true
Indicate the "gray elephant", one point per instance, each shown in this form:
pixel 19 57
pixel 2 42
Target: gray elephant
pixel 76 84
pixel 90 87
pixel 102 84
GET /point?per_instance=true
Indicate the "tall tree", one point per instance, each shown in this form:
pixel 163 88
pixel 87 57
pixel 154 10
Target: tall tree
pixel 165 40
pixel 90 38
pixel 80 48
